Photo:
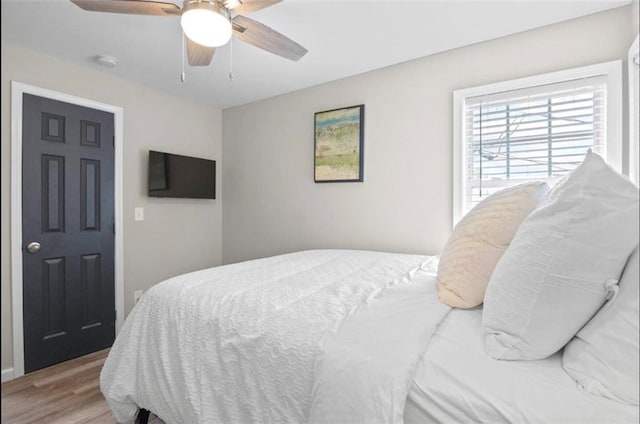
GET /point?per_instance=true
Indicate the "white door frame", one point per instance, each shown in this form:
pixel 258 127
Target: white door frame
pixel 17 91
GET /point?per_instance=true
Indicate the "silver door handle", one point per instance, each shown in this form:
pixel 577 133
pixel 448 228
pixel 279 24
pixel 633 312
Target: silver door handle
pixel 33 247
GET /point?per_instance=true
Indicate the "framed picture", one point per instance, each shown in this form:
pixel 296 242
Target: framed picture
pixel 338 145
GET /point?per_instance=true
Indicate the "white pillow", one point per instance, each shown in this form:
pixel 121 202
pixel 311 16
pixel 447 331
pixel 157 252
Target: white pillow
pixel 560 265
pixel 480 239
pixel 604 357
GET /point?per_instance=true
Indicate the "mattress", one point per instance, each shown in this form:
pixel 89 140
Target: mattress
pixel 457 382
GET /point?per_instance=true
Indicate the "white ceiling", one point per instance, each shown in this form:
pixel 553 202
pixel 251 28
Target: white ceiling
pixel 344 38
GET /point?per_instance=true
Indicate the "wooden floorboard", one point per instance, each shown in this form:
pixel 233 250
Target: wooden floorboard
pixel 66 393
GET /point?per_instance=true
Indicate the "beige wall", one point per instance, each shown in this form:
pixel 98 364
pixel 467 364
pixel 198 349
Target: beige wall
pixel 177 235
pixel 271 204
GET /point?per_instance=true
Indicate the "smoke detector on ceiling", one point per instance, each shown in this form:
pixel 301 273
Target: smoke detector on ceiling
pixel 106 61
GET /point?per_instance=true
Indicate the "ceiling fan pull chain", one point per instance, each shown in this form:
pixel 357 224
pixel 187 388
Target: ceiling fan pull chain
pixel 231 59
pixel 183 75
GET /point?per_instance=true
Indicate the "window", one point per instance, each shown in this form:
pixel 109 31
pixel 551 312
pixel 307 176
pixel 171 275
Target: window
pixel 533 129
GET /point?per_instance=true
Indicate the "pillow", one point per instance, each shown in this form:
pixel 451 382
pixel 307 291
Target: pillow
pixel 564 259
pixel 480 239
pixel 604 357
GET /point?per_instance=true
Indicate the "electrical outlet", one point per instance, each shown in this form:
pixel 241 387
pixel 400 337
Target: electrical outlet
pixel 137 295
pixel 139 214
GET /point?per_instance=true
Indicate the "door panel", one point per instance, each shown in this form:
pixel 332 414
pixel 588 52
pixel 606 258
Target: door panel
pixel 90 195
pixel 52 194
pixel 53 292
pixel 90 286
pixel 68 201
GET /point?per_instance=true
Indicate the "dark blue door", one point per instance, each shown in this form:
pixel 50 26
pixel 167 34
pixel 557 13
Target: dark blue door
pixel 67 231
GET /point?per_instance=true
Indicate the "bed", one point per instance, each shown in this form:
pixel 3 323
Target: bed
pixel 327 336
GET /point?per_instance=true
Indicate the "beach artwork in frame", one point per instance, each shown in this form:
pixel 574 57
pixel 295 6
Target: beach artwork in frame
pixel 339 140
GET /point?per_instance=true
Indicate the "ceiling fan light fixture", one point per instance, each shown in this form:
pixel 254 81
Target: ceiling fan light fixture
pixel 204 23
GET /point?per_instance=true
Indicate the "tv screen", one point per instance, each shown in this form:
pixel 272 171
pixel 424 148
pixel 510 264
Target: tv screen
pixel 181 176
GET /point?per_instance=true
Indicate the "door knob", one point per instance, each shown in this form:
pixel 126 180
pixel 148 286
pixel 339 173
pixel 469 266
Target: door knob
pixel 33 247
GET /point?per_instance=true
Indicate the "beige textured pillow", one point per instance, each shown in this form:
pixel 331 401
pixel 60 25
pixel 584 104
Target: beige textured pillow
pixel 480 239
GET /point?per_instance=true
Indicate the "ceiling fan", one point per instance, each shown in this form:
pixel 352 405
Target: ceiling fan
pixel 208 24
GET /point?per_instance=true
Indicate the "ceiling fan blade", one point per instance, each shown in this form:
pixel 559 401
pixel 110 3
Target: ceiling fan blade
pixel 249 6
pixel 267 39
pixel 199 55
pixel 134 7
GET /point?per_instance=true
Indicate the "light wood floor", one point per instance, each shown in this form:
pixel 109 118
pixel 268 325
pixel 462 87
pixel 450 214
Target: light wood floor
pixel 66 393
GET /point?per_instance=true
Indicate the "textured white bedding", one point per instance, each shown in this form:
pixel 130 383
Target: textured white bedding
pixel 327 336
pixel 240 343
pixel 457 382
pixel 368 366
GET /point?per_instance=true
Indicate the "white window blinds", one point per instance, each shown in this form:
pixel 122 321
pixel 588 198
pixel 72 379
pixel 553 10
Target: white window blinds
pixel 535 133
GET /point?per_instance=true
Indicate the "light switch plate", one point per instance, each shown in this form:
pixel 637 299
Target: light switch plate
pixel 139 214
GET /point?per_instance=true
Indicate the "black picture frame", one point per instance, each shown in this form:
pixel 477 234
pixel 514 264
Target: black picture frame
pixel 339 145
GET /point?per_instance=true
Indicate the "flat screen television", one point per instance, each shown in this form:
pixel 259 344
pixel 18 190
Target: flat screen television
pixel 181 176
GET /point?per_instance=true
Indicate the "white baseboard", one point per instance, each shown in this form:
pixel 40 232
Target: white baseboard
pixel 7 374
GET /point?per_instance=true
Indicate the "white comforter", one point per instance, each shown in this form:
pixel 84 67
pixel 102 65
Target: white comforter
pixel 259 341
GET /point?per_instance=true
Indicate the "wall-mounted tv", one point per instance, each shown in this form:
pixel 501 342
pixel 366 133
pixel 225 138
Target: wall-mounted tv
pixel 181 176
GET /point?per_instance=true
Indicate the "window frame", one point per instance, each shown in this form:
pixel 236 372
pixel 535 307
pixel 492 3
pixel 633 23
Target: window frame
pixel 614 140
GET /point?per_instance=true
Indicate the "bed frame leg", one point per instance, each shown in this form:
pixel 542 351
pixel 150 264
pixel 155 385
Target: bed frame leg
pixel 143 417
